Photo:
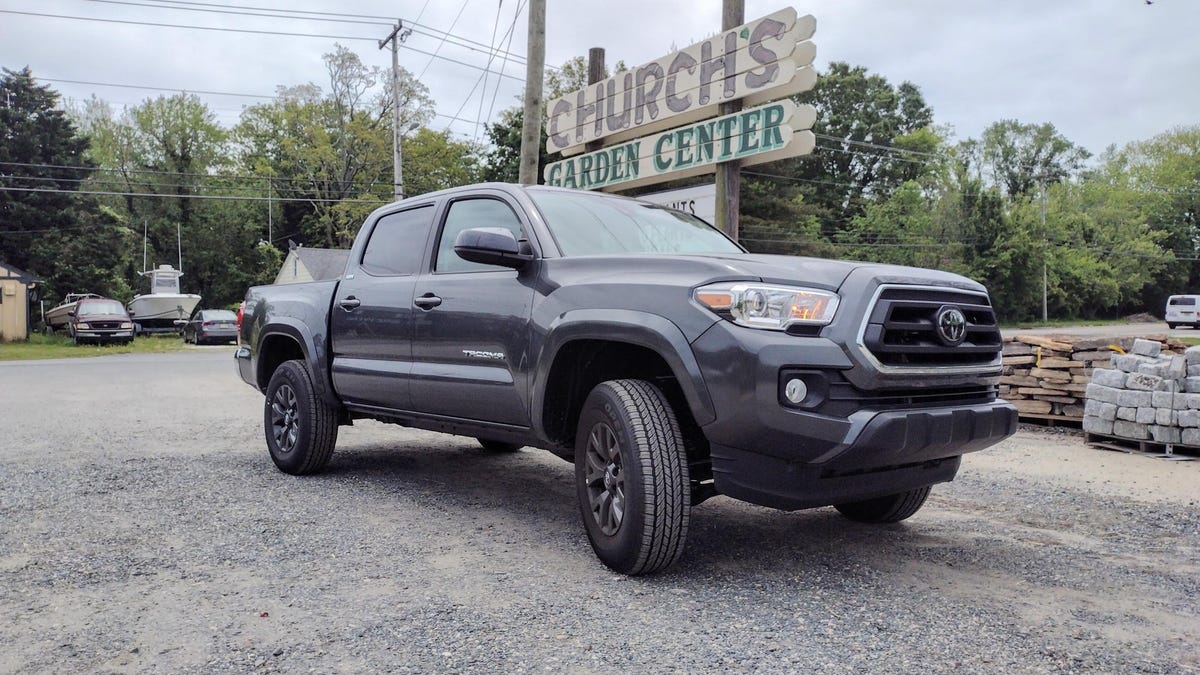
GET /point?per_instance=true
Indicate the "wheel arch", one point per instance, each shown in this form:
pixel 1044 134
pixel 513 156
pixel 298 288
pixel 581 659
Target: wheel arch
pixel 284 340
pixel 587 347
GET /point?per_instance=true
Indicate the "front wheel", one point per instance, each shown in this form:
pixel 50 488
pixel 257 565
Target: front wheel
pixel 631 477
pixel 301 428
pixel 889 509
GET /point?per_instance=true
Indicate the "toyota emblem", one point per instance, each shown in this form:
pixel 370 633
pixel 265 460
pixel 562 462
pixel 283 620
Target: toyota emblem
pixel 951 326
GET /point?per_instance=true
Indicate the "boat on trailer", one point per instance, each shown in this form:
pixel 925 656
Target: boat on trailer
pixel 59 316
pixel 164 309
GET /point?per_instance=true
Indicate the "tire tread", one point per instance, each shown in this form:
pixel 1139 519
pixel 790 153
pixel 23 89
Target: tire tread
pixel 664 471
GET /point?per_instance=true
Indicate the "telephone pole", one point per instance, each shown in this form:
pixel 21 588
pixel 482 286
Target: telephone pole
pixel 729 177
pixel 534 66
pixel 398 35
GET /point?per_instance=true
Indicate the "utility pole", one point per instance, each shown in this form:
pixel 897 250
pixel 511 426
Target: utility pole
pixel 398 35
pixel 595 65
pixel 535 63
pixel 1044 249
pixel 729 177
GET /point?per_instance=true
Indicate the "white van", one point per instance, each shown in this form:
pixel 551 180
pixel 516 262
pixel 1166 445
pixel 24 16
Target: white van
pixel 1182 311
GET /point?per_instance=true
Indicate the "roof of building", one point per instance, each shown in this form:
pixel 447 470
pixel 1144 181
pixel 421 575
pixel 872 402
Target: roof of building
pixel 323 263
pixel 9 272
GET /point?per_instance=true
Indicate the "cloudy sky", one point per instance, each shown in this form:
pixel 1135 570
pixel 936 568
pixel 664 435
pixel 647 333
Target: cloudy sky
pixel 1102 71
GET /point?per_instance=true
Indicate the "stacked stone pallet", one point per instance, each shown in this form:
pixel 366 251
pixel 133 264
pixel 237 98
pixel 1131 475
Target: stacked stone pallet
pixel 1048 376
pixel 1147 395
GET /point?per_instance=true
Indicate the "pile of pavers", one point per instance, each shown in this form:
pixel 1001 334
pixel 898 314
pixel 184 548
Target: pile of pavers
pixel 1147 395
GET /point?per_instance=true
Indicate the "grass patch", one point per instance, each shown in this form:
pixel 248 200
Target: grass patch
pixel 60 347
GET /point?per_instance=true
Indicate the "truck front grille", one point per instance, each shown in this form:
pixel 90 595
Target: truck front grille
pixel 902 328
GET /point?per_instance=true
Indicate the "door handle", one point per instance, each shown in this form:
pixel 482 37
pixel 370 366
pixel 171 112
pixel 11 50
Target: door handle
pixel 350 303
pixel 427 301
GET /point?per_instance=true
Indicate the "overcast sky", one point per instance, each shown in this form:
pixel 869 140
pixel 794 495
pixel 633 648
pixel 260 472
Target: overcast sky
pixel 1102 71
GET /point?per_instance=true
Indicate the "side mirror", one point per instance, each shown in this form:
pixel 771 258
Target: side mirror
pixel 491 246
pixel 71 313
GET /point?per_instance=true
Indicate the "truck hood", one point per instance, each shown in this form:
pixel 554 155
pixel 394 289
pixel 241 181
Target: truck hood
pixel 829 274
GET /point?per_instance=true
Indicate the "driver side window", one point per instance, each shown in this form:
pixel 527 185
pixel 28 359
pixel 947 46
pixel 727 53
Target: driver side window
pixel 464 215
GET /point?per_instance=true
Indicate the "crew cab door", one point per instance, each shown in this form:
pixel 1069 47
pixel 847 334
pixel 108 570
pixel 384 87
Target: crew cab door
pixel 471 324
pixel 371 322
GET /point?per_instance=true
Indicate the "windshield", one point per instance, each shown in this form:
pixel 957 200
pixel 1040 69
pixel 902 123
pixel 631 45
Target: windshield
pixel 586 223
pixel 95 307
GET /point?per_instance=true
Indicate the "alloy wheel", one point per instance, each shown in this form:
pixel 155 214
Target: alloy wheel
pixel 285 418
pixel 605 478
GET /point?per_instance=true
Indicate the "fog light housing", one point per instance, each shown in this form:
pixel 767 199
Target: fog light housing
pixel 795 391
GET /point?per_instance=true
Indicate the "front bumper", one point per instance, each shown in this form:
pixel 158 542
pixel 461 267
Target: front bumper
pixel 905 434
pixel 883 453
pixel 104 335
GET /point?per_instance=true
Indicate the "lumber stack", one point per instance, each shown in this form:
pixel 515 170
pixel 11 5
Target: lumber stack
pixel 1046 377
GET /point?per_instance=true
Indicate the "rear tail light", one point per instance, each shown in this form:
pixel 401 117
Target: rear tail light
pixel 209 323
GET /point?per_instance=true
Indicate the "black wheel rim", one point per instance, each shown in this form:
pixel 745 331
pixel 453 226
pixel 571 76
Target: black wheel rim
pixel 285 418
pixel 604 478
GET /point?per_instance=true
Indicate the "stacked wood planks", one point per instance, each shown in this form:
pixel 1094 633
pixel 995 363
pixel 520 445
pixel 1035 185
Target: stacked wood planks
pixel 1046 377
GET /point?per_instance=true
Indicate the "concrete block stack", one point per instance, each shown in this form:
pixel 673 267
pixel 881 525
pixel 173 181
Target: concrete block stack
pixel 1149 394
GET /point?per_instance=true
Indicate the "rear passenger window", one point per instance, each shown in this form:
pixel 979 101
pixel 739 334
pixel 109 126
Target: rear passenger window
pixel 398 242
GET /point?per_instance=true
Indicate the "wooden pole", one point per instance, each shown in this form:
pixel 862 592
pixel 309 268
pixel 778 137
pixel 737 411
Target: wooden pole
pixel 595 74
pixel 729 177
pixel 531 136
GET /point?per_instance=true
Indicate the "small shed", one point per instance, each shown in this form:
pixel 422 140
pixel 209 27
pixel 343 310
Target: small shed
pixel 312 264
pixel 19 290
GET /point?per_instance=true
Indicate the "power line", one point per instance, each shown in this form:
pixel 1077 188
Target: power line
pixel 443 42
pixel 230 11
pixel 109 193
pixel 432 55
pixel 198 91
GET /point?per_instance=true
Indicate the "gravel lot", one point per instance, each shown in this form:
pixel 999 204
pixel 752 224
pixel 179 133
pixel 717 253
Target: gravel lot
pixel 143 528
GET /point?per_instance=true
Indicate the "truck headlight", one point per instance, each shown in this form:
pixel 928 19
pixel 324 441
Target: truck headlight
pixel 769 307
pixel 126 325
pixel 82 326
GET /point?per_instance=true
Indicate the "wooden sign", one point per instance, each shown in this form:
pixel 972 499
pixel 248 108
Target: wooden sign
pixel 755 135
pixel 756 62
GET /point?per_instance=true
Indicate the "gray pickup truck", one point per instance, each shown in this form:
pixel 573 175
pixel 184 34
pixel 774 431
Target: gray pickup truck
pixel 643 345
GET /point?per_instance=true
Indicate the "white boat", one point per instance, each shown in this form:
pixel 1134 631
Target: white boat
pixel 59 316
pixel 164 308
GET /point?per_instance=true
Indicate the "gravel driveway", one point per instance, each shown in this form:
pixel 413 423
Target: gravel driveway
pixel 143 528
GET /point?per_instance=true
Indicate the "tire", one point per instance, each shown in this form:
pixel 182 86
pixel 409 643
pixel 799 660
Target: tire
pixel 889 509
pixel 631 477
pixel 1171 326
pixel 301 429
pixel 498 447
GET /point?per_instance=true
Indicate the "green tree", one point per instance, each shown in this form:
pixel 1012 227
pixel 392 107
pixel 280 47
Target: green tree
pixel 1019 156
pixel 46 226
pixel 860 117
pixel 331 154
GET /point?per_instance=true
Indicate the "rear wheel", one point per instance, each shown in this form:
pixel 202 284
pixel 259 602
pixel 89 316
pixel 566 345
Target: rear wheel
pixel 631 477
pixel 498 446
pixel 301 428
pixel 1171 325
pixel 889 509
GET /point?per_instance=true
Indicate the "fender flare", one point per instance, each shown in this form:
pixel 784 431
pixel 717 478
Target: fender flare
pixel 312 348
pixel 633 327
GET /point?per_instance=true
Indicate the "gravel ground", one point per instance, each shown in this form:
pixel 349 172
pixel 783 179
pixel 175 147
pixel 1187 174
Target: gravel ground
pixel 143 528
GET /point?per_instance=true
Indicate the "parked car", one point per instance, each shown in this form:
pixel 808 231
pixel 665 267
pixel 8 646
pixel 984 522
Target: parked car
pixel 211 325
pixel 97 319
pixel 1181 311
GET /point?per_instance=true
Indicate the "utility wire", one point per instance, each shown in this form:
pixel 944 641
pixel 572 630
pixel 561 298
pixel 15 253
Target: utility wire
pixel 432 55
pixel 108 193
pixel 443 42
